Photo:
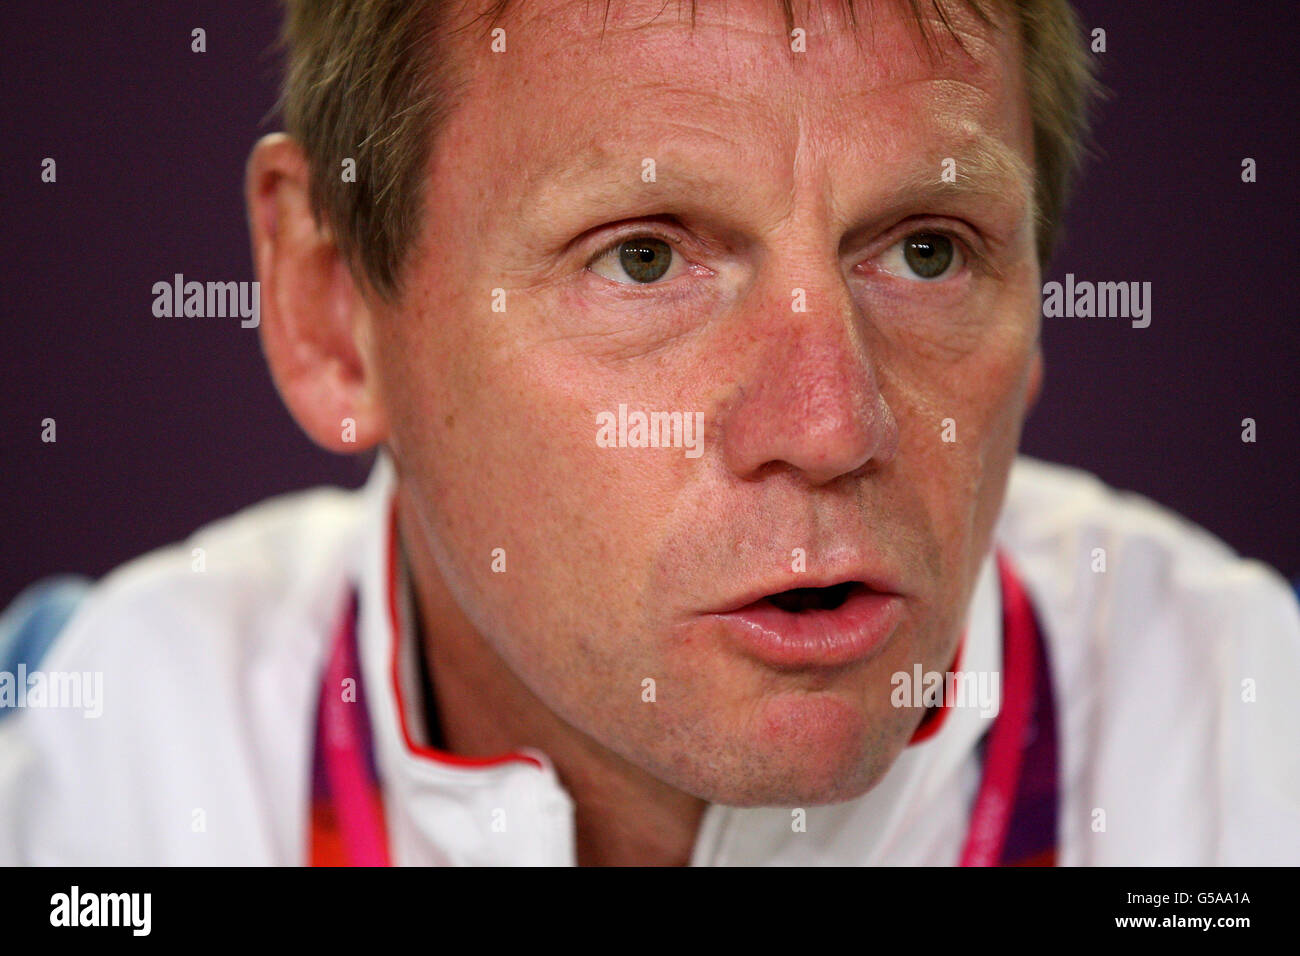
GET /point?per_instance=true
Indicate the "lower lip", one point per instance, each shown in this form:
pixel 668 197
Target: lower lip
pixel 853 632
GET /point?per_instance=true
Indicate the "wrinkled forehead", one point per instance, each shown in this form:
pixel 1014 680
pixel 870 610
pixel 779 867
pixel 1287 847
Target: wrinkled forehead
pixel 766 19
pixel 573 86
pixel 826 51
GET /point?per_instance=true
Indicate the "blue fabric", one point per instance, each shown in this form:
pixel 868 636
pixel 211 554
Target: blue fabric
pixel 31 623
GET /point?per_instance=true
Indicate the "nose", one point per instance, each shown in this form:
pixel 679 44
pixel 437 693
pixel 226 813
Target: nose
pixel 812 402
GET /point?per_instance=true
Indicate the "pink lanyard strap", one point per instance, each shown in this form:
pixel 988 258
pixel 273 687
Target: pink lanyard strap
pixel 1017 797
pixel 347 821
pixel 1013 821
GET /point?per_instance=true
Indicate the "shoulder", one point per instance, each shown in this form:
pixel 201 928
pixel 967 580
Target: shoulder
pixel 220 594
pixel 1079 538
pixel 183 660
pixel 1175 661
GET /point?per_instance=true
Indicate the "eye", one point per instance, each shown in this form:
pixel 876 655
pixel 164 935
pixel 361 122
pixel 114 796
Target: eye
pixel 643 259
pixel 926 256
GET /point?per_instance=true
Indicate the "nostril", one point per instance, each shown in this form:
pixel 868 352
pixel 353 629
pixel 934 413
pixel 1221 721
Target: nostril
pixel 798 600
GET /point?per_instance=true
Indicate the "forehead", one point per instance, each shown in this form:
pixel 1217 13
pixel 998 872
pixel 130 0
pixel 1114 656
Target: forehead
pixel 586 88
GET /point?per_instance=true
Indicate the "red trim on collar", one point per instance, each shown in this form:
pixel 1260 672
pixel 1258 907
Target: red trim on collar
pixel 394 624
pixel 935 718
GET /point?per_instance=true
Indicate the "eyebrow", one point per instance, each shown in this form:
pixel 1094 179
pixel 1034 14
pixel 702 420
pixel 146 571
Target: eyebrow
pixel 985 168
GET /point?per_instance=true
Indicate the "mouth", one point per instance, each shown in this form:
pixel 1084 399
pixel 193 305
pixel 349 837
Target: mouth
pixel 841 623
pixel 799 600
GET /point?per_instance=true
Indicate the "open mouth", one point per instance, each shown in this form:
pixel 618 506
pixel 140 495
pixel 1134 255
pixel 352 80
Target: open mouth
pixel 798 600
pixel 829 626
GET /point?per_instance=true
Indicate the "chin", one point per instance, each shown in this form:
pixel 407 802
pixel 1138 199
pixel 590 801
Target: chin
pixel 798 784
pixel 803 749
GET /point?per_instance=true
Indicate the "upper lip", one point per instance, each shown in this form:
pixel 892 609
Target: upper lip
pixel 875 580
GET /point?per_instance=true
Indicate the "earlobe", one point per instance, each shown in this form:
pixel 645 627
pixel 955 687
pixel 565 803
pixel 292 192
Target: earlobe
pixel 313 316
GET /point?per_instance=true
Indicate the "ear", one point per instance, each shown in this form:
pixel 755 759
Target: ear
pixel 315 323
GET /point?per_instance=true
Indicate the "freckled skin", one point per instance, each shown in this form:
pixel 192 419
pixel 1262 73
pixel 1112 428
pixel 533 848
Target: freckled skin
pixel 822 428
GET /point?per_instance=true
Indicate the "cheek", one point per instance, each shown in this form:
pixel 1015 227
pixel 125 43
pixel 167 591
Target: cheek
pixel 967 475
pixel 961 411
pixel 960 422
pixel 999 402
pixel 500 441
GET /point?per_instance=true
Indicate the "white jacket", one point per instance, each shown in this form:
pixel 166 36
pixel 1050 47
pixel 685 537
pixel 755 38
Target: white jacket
pixel 1174 672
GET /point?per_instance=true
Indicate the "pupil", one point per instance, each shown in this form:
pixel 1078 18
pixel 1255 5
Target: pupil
pixel 645 260
pixel 928 254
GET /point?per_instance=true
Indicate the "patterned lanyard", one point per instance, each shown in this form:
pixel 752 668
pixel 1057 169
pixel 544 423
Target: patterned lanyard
pixel 1013 819
pixel 347 806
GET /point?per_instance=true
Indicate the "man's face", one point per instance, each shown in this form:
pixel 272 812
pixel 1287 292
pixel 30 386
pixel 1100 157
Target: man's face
pixel 858 430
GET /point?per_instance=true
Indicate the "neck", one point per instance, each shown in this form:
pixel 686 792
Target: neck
pixel 623 816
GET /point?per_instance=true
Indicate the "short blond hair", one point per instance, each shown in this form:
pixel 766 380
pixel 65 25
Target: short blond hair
pixel 364 81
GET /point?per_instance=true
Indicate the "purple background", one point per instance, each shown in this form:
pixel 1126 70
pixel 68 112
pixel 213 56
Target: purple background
pixel 165 424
